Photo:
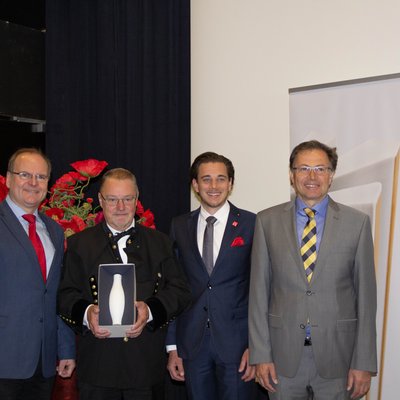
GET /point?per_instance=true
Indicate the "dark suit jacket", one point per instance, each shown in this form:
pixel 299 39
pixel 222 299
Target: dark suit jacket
pixel 160 283
pixel 221 298
pixel 29 326
pixel 340 300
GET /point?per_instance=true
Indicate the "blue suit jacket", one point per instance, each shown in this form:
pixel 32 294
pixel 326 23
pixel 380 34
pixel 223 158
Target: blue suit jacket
pixel 221 298
pixel 29 326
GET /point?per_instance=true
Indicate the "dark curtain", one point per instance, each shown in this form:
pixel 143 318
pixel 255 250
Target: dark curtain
pixel 118 89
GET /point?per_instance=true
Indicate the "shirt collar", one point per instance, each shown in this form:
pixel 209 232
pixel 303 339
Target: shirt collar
pixel 221 214
pixel 319 208
pixel 17 210
pixel 114 231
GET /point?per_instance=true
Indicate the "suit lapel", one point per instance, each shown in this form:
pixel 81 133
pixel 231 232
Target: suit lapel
pixel 289 226
pixel 16 229
pixel 51 229
pixel 192 231
pixel 229 234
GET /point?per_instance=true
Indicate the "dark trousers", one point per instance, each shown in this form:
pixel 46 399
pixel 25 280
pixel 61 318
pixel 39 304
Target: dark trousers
pixel 90 392
pixel 208 377
pixel 35 388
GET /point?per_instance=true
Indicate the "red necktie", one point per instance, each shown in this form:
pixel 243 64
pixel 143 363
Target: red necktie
pixel 36 242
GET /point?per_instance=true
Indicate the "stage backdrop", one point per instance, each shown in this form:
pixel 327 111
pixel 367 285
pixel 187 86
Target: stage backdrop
pixel 118 89
pixel 361 118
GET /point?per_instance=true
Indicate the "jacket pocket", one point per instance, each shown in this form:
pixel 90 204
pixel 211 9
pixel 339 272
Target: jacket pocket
pixel 274 321
pixel 346 325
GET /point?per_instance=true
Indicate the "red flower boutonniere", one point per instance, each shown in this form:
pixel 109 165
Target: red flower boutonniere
pixel 238 241
pixel 235 223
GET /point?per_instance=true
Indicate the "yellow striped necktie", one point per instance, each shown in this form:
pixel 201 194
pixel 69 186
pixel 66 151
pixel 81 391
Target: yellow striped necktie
pixel 308 248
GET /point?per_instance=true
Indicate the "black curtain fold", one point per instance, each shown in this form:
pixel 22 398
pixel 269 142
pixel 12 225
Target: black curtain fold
pixel 118 89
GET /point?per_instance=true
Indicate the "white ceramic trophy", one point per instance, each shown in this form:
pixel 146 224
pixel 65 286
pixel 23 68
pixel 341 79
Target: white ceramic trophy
pixel 117 300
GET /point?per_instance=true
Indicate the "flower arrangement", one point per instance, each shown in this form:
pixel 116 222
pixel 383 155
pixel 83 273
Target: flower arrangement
pixel 3 188
pixel 68 204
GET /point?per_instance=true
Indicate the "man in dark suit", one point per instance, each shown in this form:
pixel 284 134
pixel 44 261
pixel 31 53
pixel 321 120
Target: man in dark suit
pixel 313 291
pixel 31 334
pixel 208 343
pixel 123 368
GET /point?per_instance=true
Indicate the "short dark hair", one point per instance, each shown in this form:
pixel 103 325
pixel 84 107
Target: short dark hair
pixel 28 150
pixel 315 145
pixel 211 157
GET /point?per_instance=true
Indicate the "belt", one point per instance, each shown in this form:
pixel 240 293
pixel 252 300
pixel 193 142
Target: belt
pixel 307 342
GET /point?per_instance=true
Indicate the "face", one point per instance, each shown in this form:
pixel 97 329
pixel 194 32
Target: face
pixel 28 194
pixel 212 185
pixel 120 215
pixel 311 188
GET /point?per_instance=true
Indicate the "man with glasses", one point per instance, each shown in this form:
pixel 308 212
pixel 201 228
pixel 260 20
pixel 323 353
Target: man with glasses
pixel 312 289
pixel 32 337
pixel 123 368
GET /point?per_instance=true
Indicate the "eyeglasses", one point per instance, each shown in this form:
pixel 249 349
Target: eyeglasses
pixel 306 170
pixel 27 176
pixel 113 201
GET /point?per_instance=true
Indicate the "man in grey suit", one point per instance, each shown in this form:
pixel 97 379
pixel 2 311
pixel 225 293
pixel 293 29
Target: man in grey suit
pixel 313 291
pixel 32 337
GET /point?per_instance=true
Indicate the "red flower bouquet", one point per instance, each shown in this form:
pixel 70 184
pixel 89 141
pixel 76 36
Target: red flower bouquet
pixel 68 205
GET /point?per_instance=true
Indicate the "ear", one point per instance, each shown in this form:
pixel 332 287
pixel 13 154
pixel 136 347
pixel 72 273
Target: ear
pixel 8 177
pixel 100 199
pixel 291 178
pixel 195 185
pixel 230 185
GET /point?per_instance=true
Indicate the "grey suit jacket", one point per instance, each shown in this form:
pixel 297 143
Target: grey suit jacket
pixel 340 300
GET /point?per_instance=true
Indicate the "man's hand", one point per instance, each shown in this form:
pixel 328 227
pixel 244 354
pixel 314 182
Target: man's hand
pixel 266 376
pixel 93 321
pixel 249 370
pixel 142 312
pixel 65 368
pixel 359 382
pixel 175 366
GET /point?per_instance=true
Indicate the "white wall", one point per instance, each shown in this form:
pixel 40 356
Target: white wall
pixel 246 54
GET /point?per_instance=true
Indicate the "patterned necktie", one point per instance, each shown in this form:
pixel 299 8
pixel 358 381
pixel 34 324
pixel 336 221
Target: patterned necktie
pixel 308 248
pixel 36 242
pixel 208 244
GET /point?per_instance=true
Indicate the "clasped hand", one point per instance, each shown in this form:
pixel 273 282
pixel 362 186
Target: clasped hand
pixel 142 316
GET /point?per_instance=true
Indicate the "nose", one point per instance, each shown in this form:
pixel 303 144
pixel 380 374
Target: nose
pixel 33 180
pixel 120 204
pixel 312 173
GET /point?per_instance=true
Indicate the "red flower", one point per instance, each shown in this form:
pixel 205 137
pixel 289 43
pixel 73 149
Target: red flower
pixel 148 219
pixel 238 241
pixel 55 213
pixel 99 217
pixel 3 188
pixel 76 224
pixel 90 168
pixel 139 208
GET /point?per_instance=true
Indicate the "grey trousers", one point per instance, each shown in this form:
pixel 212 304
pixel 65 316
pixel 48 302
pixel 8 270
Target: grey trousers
pixel 308 385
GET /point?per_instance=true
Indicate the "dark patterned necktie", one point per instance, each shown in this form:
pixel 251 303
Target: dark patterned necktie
pixel 308 248
pixel 208 244
pixel 36 242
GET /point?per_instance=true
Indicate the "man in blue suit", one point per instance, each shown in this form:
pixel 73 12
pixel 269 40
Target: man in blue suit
pixel 31 334
pixel 208 343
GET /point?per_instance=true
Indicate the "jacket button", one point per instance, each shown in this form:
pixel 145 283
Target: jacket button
pixel 302 326
pixel 205 308
pixel 309 293
pixel 209 286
